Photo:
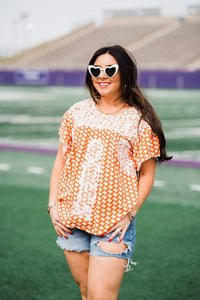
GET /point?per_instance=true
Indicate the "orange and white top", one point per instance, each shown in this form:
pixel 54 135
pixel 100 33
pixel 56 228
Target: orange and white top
pixel 98 185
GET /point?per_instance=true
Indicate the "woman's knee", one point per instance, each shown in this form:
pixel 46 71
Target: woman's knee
pixel 101 295
pixel 83 288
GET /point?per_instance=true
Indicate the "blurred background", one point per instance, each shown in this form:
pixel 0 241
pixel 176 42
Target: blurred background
pixel 45 47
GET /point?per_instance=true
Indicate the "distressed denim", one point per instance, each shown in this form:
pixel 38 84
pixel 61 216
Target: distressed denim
pixel 83 241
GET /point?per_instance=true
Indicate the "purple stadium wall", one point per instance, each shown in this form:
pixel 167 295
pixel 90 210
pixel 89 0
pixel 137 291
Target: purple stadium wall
pixel 147 78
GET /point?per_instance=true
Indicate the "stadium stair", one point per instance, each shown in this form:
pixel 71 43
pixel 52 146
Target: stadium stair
pixel 153 36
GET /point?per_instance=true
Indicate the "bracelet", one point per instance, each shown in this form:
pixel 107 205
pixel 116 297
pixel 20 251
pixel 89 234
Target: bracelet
pixel 50 205
pixel 130 216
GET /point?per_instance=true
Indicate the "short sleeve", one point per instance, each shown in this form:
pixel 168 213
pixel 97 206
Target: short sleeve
pixel 65 133
pixel 146 145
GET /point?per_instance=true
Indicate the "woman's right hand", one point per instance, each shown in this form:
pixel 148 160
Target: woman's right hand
pixel 58 226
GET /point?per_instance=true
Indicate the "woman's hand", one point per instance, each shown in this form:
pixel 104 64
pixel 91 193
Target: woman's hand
pixel 58 226
pixel 121 226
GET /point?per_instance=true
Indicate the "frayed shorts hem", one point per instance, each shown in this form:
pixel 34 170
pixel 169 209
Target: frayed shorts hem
pixel 81 241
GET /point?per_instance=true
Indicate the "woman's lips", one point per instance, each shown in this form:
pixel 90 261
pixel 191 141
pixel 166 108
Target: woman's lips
pixel 104 84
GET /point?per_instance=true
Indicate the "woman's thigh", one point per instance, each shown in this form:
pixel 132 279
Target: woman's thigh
pixel 76 249
pixel 78 263
pixel 104 277
pixel 108 261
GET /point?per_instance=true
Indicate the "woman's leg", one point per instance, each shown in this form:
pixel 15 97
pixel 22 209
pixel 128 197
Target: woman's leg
pixel 78 263
pixel 107 263
pixel 104 277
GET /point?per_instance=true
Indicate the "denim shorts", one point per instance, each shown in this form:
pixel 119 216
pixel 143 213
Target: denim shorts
pixel 81 240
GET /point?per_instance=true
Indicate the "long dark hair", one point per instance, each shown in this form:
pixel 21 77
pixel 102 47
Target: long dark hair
pixel 130 91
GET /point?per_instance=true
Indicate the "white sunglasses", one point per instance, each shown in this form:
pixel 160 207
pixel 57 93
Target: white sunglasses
pixel 110 71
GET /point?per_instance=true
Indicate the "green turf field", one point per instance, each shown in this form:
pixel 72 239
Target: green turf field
pixel 167 242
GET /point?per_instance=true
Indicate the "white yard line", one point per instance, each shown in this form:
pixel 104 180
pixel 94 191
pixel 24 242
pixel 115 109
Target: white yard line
pixel 4 167
pixel 185 155
pixel 187 132
pixel 159 183
pixel 22 96
pixel 180 122
pixel 170 95
pixel 35 170
pixel 50 143
pixel 26 119
pixel 195 187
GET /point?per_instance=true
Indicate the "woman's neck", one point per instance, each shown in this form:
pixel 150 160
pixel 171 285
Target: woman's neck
pixel 111 101
pixel 112 106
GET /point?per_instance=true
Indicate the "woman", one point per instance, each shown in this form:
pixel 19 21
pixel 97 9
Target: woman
pixel 103 172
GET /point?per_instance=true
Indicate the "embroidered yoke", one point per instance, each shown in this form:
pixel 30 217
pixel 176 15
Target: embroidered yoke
pixel 98 185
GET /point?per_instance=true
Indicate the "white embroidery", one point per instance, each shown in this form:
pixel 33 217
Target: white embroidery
pixel 89 116
pixel 126 163
pixel 99 183
pixel 89 180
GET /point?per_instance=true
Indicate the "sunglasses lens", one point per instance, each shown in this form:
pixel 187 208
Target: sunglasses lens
pixel 95 72
pixel 110 71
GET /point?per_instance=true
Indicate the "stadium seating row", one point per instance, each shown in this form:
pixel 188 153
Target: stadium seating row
pixel 156 42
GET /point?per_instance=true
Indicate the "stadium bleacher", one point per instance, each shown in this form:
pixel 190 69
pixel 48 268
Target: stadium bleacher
pixel 156 42
pixel 177 49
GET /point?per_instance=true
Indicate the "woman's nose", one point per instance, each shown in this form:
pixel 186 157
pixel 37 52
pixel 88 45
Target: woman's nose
pixel 102 74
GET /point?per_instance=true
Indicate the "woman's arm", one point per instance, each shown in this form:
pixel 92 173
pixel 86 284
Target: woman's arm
pixel 55 176
pixel 145 184
pixel 146 179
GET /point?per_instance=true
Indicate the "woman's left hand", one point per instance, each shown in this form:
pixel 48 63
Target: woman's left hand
pixel 121 226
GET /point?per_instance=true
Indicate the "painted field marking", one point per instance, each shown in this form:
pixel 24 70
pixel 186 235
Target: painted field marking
pixel 188 132
pixel 35 170
pixel 195 187
pixel 159 183
pixel 4 167
pixel 26 119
